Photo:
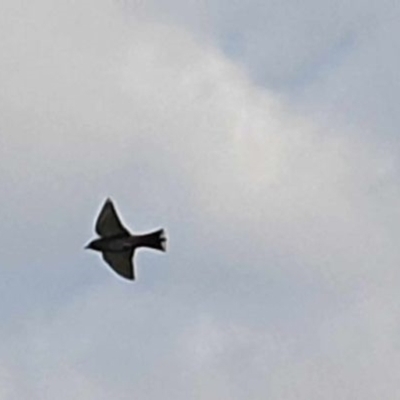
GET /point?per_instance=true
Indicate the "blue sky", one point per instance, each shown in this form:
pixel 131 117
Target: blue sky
pixel 263 137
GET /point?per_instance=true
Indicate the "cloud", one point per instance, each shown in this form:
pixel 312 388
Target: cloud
pixel 282 263
pixel 280 44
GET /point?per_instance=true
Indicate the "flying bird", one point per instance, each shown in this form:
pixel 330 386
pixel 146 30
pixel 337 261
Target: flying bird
pixel 118 245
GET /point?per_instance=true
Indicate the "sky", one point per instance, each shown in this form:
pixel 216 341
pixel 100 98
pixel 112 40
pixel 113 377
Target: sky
pixel 263 136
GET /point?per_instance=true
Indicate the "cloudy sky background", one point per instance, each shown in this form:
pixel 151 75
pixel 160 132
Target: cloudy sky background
pixel 263 136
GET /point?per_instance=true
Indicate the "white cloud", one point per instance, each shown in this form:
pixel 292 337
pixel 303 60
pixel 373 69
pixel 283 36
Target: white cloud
pixel 283 259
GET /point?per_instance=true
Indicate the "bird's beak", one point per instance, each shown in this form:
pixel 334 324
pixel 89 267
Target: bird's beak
pixel 87 246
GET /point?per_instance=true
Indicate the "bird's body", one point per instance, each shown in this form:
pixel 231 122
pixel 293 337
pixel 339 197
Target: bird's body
pixel 118 245
pixel 115 244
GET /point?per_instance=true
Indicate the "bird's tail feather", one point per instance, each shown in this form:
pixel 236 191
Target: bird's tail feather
pixel 155 240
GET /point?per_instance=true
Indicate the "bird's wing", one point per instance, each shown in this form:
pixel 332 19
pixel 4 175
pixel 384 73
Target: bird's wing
pixel 121 263
pixel 108 223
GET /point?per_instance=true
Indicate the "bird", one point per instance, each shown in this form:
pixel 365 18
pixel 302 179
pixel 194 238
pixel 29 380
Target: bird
pixel 118 245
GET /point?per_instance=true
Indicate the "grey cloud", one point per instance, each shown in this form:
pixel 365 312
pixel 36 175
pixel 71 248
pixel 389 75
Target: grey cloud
pixel 279 43
pixel 281 230
pixel 331 59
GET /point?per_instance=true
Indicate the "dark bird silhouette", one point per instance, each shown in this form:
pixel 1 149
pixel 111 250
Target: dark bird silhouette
pixel 118 245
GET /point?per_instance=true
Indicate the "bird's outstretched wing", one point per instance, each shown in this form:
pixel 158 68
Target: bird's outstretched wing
pixel 121 263
pixel 108 223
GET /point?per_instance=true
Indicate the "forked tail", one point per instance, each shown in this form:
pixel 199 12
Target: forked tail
pixel 155 240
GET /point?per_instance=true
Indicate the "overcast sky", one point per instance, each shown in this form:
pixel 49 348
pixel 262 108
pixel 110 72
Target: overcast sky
pixel 263 136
